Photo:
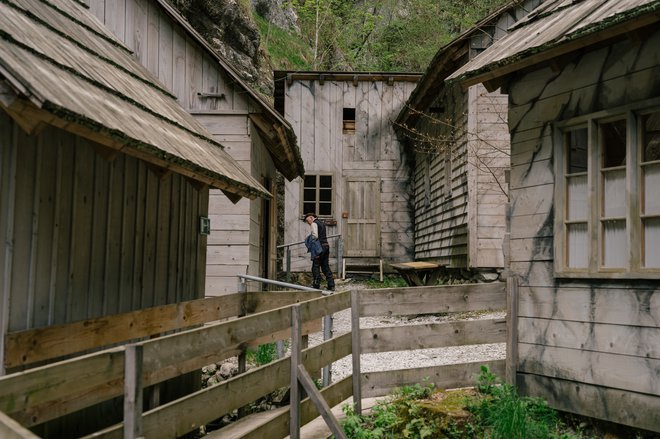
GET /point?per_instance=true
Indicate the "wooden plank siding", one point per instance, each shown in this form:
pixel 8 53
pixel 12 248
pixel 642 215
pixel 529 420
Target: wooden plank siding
pixel 371 154
pixel 65 216
pixel 186 69
pixel 593 340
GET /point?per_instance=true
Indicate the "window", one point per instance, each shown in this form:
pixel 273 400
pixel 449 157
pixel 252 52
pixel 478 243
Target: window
pixel 349 121
pixel 318 195
pixel 608 215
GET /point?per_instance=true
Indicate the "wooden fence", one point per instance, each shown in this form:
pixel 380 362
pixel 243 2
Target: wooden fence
pixel 49 392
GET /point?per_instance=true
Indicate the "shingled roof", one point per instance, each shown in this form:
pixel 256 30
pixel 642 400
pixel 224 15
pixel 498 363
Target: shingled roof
pixel 556 29
pixel 60 66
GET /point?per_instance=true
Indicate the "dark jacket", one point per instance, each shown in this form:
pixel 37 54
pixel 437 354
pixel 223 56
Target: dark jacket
pixel 323 237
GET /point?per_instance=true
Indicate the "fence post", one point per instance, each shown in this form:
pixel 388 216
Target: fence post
pixel 288 264
pixel 133 391
pixel 340 256
pixel 512 329
pixel 356 350
pixel 326 372
pixel 294 393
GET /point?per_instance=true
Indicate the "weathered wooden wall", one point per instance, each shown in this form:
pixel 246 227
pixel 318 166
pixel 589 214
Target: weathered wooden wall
pixel 460 187
pixel 588 345
pixel 89 234
pixel 371 158
pixel 185 68
pixel 441 186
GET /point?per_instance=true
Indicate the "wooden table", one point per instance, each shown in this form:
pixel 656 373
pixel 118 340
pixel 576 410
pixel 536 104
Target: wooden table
pixel 418 274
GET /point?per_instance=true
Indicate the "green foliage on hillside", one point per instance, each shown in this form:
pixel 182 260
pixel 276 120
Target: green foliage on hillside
pixel 376 35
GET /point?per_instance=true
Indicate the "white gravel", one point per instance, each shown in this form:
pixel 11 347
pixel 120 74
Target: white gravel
pixel 414 358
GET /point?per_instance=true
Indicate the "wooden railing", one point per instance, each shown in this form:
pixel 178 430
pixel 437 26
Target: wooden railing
pixel 51 391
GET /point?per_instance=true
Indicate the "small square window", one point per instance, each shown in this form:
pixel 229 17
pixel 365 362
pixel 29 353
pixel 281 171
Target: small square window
pixel 317 195
pixel 349 120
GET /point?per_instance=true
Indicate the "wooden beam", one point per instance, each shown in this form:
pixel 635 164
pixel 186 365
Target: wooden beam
pixel 10 429
pixel 320 403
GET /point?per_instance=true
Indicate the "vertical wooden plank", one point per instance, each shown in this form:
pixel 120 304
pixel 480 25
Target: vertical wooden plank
pixel 153 38
pixel 139 19
pixel 21 236
pixel 179 66
pixel 99 237
pixel 174 232
pixel 375 119
pixel 82 235
pixel 472 176
pixel 389 110
pixel 512 330
pixel 202 244
pixel 296 347
pixel 209 82
pixel 8 152
pixel 321 126
pixel 149 236
pixel 133 391
pixel 361 137
pixel 61 278
pixel 306 136
pixel 356 350
pixel 162 238
pixel 56 147
pixel 34 234
pixel 165 52
pixel 115 207
pixel 193 76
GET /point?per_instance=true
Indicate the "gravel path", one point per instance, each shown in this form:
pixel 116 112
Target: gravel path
pixel 413 358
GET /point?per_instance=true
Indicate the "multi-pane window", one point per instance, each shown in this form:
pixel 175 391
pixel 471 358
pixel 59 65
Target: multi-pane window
pixel 317 194
pixel 609 197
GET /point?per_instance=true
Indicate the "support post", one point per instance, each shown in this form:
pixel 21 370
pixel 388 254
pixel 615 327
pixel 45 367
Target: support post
pixel 356 350
pixel 288 264
pixel 512 330
pixel 133 392
pixel 294 394
pixel 326 372
pixel 340 255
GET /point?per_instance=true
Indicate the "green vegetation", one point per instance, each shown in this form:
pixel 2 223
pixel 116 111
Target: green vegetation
pixel 264 354
pixel 389 281
pixel 490 410
pixel 379 35
pixel 287 51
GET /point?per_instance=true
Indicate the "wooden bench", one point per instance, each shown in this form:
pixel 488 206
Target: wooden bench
pixel 418 274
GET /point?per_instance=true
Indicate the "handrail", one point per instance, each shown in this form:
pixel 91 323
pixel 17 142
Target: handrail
pixel 245 277
pixel 340 255
pixel 302 242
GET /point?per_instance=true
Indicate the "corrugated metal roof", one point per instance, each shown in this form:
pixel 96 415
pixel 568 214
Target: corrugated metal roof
pixel 556 28
pixel 57 55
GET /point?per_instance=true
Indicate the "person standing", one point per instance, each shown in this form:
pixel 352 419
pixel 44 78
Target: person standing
pixel 322 261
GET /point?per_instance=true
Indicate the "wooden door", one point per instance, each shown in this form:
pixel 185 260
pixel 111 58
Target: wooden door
pixel 362 226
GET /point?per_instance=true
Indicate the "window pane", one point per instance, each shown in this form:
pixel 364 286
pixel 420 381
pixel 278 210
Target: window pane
pixel 613 143
pixel 309 195
pixel 325 195
pixel 309 207
pixel 325 181
pixel 651 136
pixel 310 180
pixel 652 243
pixel 615 246
pixel 577 198
pixel 614 193
pixel 325 209
pixel 576 150
pixel 651 190
pixel 578 246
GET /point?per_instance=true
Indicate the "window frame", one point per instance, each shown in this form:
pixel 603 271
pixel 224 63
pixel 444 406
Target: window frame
pixel 634 185
pixel 317 188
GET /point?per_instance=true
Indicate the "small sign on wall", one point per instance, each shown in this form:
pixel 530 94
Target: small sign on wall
pixel 204 225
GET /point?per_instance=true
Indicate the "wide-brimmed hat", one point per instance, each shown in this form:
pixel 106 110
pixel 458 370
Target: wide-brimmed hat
pixel 310 214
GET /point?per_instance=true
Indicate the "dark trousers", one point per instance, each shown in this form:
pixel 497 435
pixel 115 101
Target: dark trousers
pixel 322 263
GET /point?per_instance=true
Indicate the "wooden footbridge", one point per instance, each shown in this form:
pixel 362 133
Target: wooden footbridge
pixel 210 330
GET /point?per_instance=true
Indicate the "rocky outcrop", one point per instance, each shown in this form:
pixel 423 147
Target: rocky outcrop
pixel 228 26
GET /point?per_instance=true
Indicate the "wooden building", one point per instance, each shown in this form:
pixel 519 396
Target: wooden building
pixel 103 176
pixel 357 178
pixel 243 235
pixel 583 85
pixel 460 143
